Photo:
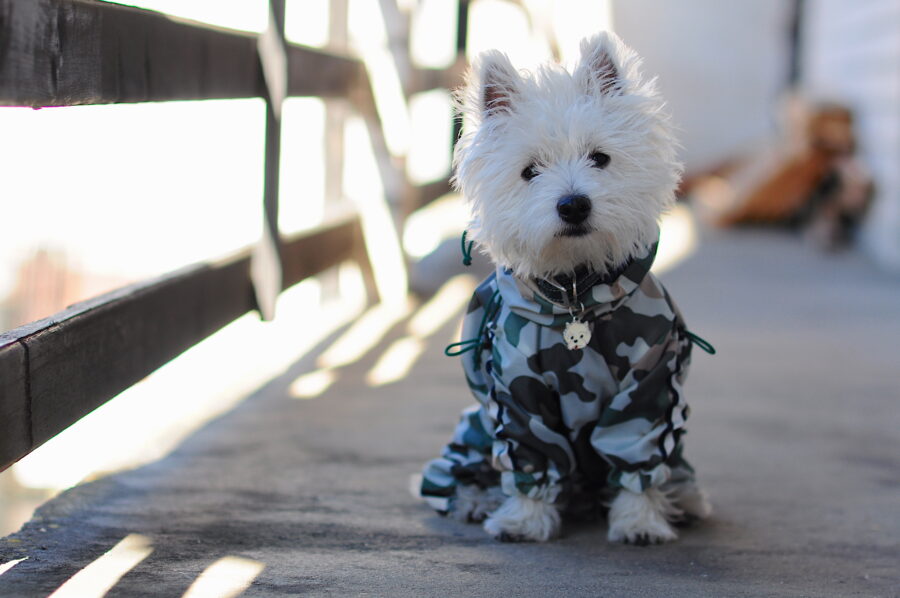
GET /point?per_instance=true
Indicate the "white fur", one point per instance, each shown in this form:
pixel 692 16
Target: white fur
pixel 557 119
pixel 691 500
pixel 522 518
pixel 414 485
pixel 642 518
pixel 472 504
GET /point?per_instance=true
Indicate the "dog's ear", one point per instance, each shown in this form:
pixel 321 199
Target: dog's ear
pixel 599 69
pixel 497 83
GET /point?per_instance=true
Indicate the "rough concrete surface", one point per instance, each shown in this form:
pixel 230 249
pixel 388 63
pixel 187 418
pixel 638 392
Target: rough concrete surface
pixel 794 433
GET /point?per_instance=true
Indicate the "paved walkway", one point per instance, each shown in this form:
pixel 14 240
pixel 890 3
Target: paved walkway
pixel 793 433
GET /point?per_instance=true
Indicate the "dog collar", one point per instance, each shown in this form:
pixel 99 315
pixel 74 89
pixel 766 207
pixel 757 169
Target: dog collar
pixel 561 289
pixel 564 289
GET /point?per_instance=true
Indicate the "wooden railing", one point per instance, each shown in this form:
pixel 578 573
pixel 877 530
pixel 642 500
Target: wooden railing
pixel 71 52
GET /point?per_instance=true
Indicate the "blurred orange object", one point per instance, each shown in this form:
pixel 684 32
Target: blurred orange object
pixel 798 190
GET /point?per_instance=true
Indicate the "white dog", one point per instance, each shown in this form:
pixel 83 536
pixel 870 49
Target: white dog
pixel 575 352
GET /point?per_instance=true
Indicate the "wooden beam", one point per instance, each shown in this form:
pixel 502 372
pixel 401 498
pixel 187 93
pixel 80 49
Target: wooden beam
pixel 56 370
pixel 428 79
pixel 69 52
pixel 15 437
pixel 315 73
pixel 307 254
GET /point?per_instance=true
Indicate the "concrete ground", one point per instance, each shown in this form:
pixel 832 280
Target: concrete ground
pixel 794 433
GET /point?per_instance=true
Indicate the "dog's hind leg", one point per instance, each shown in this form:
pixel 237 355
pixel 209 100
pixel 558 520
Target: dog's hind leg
pixel 683 491
pixel 691 500
pixel 473 504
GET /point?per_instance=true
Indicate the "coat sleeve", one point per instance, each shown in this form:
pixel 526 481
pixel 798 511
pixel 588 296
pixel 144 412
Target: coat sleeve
pixel 474 348
pixel 530 450
pixel 520 409
pixel 638 430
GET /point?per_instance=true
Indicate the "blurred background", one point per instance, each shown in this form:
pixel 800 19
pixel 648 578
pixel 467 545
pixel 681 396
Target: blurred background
pixel 787 112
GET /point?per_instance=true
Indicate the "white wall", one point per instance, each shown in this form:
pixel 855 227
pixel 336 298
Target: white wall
pixel 721 65
pixel 852 54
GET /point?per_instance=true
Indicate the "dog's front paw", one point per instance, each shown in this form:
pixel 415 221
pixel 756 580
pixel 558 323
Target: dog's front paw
pixel 642 535
pixel 521 519
pixel 641 519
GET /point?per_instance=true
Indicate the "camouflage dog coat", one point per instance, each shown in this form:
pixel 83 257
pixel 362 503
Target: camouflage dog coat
pixel 552 421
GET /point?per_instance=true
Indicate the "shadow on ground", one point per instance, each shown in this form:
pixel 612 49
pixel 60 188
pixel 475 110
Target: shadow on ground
pixel 793 433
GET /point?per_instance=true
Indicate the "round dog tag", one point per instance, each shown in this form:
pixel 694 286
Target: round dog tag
pixel 577 334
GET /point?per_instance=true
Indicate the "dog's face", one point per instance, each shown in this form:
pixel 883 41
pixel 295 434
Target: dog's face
pixel 564 169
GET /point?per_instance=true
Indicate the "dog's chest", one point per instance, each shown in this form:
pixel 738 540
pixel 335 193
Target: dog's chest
pixel 523 358
pixel 523 352
pixel 572 389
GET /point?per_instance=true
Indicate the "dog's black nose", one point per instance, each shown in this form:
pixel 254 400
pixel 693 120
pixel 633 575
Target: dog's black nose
pixel 574 209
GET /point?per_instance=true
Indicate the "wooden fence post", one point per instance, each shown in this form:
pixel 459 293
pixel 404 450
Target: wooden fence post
pixel 266 269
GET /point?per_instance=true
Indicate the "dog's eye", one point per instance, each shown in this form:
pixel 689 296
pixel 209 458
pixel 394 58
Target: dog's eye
pixel 599 159
pixel 530 172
